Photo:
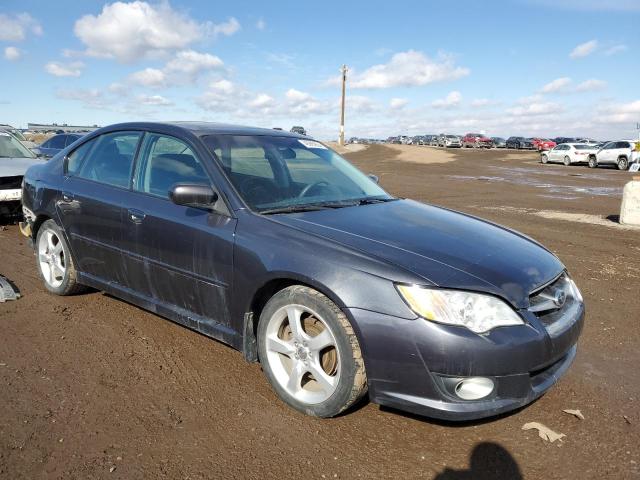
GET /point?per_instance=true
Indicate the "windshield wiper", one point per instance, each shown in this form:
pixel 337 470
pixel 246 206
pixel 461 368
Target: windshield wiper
pixel 372 200
pixel 308 207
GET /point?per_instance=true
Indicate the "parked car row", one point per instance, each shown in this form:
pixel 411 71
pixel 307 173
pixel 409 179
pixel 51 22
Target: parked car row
pixel 619 153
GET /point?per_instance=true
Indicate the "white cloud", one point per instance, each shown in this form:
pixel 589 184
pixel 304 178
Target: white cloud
pixel 92 98
pixel 584 49
pixel 14 28
pixel 591 85
pixel 558 85
pixel 452 100
pixel 535 108
pixel 616 49
pixel 481 102
pixel 261 24
pixel 191 63
pixel 619 113
pixel 406 69
pixel 154 100
pixel 12 53
pixel 223 86
pixel 262 100
pixel 57 69
pixel 227 28
pixel 118 89
pixel 360 104
pixel 149 77
pixel 398 103
pixel 184 67
pixel 131 31
pixel 298 102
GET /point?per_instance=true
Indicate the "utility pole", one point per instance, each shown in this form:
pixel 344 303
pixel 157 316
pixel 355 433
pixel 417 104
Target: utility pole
pixel 344 83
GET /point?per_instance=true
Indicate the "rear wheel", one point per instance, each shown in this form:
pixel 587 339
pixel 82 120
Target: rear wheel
pixel 310 353
pixel 544 158
pixel 54 261
pixel 593 162
pixel 623 163
pixel 567 160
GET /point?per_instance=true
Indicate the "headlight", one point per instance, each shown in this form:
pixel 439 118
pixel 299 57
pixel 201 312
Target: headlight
pixel 576 292
pixel 479 313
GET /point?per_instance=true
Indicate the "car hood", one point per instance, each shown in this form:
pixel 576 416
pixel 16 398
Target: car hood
pixel 445 248
pixel 13 167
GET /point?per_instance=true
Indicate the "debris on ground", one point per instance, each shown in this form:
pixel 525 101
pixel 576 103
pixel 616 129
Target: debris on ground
pixel 544 432
pixel 575 413
pixel 626 419
pixel 7 290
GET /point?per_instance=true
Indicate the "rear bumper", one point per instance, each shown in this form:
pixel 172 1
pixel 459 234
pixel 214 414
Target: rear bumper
pixel 412 364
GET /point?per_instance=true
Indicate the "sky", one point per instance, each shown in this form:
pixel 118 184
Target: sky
pixel 522 67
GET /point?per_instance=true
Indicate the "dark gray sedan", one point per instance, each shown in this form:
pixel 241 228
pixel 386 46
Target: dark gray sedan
pixel 272 243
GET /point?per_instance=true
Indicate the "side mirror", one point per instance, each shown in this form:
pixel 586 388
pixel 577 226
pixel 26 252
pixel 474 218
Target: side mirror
pixel 193 195
pixel 374 177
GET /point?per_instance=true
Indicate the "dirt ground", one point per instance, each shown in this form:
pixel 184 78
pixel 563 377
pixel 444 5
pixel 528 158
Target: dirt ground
pixel 93 387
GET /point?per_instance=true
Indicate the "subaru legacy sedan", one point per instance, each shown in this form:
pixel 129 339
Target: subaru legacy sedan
pixel 270 242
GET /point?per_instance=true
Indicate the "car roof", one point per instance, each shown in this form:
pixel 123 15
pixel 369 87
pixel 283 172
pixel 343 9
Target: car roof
pixel 203 128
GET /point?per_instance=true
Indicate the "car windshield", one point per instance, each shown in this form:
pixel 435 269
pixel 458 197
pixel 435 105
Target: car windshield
pixel 583 147
pixel 273 173
pixel 452 136
pixel 10 147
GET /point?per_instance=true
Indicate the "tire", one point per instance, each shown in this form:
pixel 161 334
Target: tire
pixel 54 262
pixel 567 161
pixel 289 360
pixel 623 163
pixel 544 158
pixel 593 162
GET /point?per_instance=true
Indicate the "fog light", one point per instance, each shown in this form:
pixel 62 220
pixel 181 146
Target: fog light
pixel 474 388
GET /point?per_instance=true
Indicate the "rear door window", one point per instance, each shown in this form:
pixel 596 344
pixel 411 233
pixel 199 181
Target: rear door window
pixel 111 158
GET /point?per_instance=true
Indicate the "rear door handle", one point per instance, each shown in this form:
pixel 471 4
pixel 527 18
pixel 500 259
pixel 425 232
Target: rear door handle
pixel 136 216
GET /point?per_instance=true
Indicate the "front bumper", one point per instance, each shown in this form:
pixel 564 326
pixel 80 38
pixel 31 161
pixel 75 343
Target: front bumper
pixel 409 363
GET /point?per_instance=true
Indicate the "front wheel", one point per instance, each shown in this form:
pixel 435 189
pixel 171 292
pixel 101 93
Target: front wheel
pixel 567 161
pixel 623 163
pixel 544 159
pixel 310 353
pixel 55 264
pixel 593 162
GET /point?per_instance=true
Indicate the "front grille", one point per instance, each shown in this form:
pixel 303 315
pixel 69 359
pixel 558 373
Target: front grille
pixel 9 183
pixel 555 303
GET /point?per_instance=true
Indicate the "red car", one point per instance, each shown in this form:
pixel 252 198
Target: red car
pixel 541 144
pixel 476 140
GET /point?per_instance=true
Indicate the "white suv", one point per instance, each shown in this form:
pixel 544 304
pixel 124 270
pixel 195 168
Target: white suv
pixel 622 153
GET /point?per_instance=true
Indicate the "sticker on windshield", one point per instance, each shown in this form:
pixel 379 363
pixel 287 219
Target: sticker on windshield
pixel 4 134
pixel 312 144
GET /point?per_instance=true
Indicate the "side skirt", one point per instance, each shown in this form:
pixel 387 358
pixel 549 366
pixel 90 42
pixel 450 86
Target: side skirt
pixel 200 324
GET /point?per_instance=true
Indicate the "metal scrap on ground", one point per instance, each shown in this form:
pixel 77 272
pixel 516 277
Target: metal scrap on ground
pixel 7 292
pixel 544 432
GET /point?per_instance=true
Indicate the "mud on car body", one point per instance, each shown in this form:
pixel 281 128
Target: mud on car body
pixel 272 243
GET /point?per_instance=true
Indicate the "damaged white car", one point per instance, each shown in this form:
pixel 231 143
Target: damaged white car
pixel 15 158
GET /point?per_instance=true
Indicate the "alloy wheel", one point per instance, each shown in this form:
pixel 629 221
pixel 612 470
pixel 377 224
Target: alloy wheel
pixel 303 354
pixel 51 258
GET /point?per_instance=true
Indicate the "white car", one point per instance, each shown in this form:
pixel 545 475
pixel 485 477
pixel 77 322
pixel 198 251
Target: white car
pixel 569 153
pixel 621 153
pixel 15 158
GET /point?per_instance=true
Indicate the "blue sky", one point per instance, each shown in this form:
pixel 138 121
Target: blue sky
pixel 525 67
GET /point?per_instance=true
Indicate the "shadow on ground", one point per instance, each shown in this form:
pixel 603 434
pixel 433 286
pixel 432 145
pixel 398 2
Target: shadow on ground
pixel 488 461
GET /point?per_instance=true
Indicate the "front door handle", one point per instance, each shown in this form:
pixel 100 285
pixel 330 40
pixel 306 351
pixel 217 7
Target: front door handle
pixel 67 197
pixel 136 216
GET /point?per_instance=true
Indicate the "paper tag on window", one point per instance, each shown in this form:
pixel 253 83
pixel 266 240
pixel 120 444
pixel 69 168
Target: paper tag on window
pixel 4 134
pixel 312 144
